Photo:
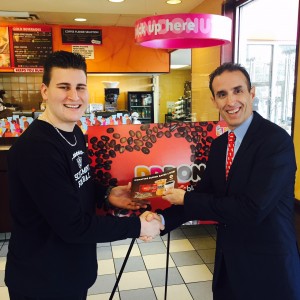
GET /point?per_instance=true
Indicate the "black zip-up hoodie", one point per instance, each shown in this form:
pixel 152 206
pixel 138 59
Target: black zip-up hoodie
pixel 52 249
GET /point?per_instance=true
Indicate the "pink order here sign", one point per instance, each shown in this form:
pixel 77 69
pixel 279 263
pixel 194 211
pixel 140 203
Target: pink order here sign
pixel 175 31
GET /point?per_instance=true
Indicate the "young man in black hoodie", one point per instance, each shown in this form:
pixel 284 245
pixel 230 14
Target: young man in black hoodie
pixel 52 249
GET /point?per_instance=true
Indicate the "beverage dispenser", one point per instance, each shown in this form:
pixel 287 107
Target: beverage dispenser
pixel 111 99
pixel 111 93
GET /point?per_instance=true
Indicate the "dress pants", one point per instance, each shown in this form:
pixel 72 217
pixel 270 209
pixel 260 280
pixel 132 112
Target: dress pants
pixel 223 290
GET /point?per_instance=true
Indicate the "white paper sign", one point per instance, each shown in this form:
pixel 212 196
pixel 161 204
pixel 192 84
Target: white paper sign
pixel 86 51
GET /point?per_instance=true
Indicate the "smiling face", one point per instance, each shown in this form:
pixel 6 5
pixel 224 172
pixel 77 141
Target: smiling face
pixel 233 98
pixel 66 97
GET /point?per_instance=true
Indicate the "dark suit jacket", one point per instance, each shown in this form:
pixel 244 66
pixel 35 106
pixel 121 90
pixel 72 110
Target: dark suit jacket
pixel 256 237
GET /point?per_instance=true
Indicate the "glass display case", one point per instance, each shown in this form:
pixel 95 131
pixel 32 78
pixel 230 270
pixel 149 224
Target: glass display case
pixel 142 103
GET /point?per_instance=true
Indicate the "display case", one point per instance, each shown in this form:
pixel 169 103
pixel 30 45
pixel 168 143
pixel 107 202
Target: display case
pixel 142 103
pixel 182 110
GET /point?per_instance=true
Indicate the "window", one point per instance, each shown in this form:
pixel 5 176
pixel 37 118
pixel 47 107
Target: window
pixel 266 46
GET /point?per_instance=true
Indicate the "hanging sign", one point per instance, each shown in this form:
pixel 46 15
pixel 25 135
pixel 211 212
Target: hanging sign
pixel 175 31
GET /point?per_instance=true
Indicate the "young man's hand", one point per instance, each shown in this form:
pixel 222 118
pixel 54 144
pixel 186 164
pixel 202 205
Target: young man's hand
pixel 120 196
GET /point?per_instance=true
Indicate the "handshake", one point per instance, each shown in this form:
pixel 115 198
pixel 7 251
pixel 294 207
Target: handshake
pixel 151 225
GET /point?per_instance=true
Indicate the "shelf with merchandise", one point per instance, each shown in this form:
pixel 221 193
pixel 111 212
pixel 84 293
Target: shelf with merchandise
pixel 140 106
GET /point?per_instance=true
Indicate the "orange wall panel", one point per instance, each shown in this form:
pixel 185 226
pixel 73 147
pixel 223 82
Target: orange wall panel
pixel 119 53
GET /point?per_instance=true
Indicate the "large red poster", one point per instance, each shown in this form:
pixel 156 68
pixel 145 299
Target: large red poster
pixel 119 153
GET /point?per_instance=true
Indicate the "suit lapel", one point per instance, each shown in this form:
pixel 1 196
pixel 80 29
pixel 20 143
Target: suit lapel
pixel 248 139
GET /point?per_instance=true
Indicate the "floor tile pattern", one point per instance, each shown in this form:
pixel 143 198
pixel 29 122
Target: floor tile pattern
pixel 191 265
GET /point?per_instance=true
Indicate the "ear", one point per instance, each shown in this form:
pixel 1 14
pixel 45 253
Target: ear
pixel 44 91
pixel 252 93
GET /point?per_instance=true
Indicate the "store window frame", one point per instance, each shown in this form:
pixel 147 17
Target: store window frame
pixel 230 8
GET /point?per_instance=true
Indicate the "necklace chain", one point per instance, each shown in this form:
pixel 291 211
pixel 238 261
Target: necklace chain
pixel 47 120
pixel 74 144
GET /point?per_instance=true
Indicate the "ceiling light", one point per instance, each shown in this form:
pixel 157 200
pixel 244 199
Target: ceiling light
pixel 80 19
pixel 179 66
pixel 117 1
pixel 174 1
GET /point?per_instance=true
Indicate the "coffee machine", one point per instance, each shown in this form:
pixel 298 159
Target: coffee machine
pixel 111 98
pixel 111 93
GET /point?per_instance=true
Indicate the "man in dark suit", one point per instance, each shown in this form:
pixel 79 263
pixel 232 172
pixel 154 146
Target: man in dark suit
pixel 257 257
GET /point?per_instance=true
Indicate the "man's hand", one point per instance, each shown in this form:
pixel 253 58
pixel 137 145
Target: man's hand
pixel 174 196
pixel 150 226
pixel 120 197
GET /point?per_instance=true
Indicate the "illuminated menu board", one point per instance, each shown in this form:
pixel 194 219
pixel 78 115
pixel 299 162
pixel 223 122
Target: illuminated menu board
pixel 31 45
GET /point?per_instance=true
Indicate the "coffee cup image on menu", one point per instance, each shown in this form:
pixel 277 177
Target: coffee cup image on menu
pixel 169 185
pixel 160 186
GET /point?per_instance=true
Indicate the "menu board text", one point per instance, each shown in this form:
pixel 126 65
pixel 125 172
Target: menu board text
pixel 31 45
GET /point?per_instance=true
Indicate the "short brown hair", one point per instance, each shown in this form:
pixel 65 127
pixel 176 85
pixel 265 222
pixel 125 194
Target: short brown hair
pixel 229 67
pixel 64 60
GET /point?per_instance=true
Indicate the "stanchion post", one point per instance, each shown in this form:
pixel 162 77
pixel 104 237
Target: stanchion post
pixel 122 269
pixel 167 265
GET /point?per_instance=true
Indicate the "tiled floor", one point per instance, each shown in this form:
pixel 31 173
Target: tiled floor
pixel 191 264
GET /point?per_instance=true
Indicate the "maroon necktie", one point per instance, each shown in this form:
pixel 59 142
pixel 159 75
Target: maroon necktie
pixel 230 152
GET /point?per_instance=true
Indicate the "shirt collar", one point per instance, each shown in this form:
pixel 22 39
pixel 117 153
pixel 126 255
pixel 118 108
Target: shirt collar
pixel 242 129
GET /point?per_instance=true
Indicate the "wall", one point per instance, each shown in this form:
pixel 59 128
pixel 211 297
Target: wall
pixel 24 89
pixel 119 52
pixel 204 61
pixel 297 129
pixel 171 88
pixel 127 83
